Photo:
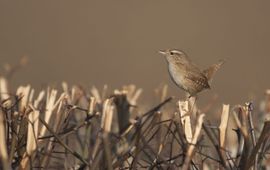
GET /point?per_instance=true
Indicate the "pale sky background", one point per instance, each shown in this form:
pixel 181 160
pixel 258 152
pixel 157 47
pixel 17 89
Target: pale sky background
pixel 117 42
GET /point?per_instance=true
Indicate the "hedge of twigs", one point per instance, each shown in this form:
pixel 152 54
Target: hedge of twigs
pixel 73 128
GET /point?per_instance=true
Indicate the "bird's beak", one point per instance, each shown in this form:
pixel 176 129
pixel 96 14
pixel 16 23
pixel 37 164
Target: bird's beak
pixel 162 52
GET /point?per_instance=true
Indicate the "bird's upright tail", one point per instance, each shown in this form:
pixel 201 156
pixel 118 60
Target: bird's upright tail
pixel 210 71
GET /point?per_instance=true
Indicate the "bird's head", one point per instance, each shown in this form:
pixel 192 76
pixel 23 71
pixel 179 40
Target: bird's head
pixel 175 56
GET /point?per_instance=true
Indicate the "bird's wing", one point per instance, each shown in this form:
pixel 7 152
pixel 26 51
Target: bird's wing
pixel 198 78
pixel 210 71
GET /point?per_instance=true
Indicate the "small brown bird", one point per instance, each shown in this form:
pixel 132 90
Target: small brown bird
pixel 186 74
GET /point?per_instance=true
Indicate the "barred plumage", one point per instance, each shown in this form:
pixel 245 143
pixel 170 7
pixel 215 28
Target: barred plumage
pixel 187 75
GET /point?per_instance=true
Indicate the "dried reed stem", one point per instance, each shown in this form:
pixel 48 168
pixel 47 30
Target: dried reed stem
pixel 185 119
pixel 193 143
pixel 3 149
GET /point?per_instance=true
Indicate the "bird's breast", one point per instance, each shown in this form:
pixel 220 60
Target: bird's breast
pixel 177 75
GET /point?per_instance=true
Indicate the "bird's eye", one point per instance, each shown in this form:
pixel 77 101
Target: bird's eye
pixel 171 53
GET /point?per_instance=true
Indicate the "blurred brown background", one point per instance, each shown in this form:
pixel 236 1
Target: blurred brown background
pixel 116 42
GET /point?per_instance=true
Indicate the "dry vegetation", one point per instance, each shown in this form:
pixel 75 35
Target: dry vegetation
pixel 73 128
